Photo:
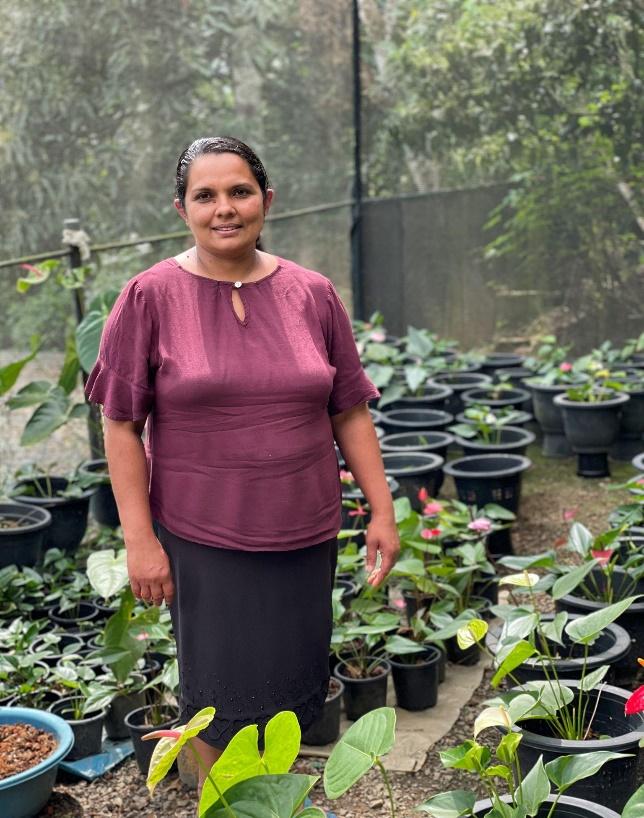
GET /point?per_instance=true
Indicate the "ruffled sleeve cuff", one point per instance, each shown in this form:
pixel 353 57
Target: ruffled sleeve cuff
pixel 120 399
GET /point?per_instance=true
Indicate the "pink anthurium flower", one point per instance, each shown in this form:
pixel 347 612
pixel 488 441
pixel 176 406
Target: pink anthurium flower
pixel 346 476
pixel 481 524
pixel 377 336
pixel 423 495
pixel 175 734
pixel 431 509
pixel 430 533
pixel 358 512
pixel 635 703
pixel 569 514
pixel 602 557
pixel 565 366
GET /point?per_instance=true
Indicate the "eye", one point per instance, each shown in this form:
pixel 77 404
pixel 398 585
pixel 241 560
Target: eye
pixel 202 195
pixel 241 191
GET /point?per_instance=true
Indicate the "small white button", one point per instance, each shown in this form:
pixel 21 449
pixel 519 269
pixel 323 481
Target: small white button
pixel 238 284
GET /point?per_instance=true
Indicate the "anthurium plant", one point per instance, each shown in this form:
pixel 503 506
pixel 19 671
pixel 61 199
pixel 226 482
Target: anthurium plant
pixel 485 424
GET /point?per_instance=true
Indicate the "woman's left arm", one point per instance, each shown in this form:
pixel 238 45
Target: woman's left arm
pixel 356 437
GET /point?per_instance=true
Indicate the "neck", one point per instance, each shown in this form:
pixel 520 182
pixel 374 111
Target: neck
pixel 237 268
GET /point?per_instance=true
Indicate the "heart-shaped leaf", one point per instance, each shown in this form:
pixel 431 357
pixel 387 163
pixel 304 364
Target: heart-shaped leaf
pixel 107 572
pixel 534 788
pixel 586 629
pixel 570 580
pixel 452 804
pixel 567 770
pixel 521 651
pixel 266 796
pixel 167 749
pixel 471 633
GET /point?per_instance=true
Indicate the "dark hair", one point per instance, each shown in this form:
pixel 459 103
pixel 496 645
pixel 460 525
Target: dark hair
pixel 217 144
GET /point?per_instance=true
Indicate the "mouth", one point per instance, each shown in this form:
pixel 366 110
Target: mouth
pixel 227 228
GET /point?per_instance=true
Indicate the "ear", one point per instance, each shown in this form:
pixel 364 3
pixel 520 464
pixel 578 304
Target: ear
pixel 179 208
pixel 268 200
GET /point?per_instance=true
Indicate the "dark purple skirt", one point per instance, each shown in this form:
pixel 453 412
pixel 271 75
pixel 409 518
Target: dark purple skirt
pixel 253 630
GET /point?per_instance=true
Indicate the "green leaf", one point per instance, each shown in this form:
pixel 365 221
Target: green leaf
pixel 48 417
pixel 591 680
pixel 499 771
pixel 496 512
pixel 107 572
pixel 587 628
pixel 552 696
pixel 521 651
pixel 398 645
pixel 553 630
pixel 266 796
pixel 634 807
pixel 312 812
pixel 470 756
pixel 167 749
pixel 534 789
pixel 580 539
pixel 506 749
pixel 565 584
pixel 402 509
pixel 371 737
pixel 88 338
pixel 545 560
pixel 30 395
pixel 471 633
pixel 452 804
pixel 567 770
pixel 71 367
pixel 10 372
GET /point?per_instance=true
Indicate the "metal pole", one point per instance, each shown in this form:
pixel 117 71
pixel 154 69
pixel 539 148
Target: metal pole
pixel 356 210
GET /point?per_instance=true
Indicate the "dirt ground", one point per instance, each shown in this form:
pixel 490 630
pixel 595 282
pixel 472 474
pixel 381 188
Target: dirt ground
pixel 551 492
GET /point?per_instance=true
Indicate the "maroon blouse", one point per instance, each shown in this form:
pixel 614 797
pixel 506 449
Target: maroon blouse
pixel 239 444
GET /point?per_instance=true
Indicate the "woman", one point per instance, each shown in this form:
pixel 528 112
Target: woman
pixel 245 368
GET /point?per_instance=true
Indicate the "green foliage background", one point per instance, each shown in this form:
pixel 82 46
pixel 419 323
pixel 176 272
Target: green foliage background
pixel 97 100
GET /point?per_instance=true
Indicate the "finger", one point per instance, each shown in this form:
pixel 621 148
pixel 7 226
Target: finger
pixel 168 592
pixel 136 588
pixel 372 554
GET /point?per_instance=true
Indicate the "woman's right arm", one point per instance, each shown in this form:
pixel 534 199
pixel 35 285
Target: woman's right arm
pixel 147 563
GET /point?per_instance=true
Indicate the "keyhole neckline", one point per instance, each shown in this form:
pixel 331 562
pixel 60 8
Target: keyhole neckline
pixel 232 284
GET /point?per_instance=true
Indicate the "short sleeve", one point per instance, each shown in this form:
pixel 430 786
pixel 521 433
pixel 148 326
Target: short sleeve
pixel 351 385
pixel 122 380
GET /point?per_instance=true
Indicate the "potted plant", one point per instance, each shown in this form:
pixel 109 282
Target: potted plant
pixel 414 668
pixel 591 413
pixel 326 728
pixel 23 530
pixel 488 431
pixel 413 471
pixel 102 504
pixel 497 396
pixel 459 383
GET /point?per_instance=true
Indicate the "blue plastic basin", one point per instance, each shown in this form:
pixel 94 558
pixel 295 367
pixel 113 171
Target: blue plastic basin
pixel 23 795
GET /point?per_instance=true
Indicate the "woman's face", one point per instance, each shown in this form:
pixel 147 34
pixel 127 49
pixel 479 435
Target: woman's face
pixel 224 207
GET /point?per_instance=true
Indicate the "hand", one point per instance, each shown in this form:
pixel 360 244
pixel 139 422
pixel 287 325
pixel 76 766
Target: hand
pixel 149 571
pixel 382 536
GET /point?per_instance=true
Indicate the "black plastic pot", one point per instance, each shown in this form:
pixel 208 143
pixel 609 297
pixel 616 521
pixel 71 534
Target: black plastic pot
pixel 496 360
pixel 416 680
pixel 363 695
pixel 68 514
pixel 567 807
pixel 87 731
pixel 85 612
pixel 433 397
pixel 349 590
pixel 610 648
pixel 137 723
pixel 413 471
pixel 591 429
pixel 487 587
pixel 425 441
pixel 102 504
pixel 512 440
pixel 513 398
pixel 122 704
pixel 549 417
pixel 470 656
pixel 415 420
pixel 617 780
pixel 490 478
pixel 458 382
pixel 326 728
pixel 66 645
pixel 414 601
pixel 21 542
pixel 627 671
pixel 631 426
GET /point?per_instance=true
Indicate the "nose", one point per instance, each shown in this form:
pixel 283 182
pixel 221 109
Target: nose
pixel 225 205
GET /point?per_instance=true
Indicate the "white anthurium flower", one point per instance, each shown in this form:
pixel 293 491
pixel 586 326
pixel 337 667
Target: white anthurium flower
pixel 471 633
pixel 492 717
pixel 525 579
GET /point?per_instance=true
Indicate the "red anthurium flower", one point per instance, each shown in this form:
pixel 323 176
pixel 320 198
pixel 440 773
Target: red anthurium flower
pixel 602 557
pixel 430 533
pixel 175 734
pixel 358 512
pixel 569 514
pixel 423 495
pixel 636 702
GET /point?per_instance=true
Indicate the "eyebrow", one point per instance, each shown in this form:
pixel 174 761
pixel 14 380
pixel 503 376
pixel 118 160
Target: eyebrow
pixel 206 188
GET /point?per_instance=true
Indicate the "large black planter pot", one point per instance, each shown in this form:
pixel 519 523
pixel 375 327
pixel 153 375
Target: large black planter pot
pixel 512 440
pixel 102 504
pixel 68 514
pixel 631 427
pixel 415 420
pixel 87 731
pixel 326 728
pixel 458 382
pixel 490 478
pixel 488 396
pixel 617 780
pixel 426 441
pixel 413 471
pixel 610 648
pixel 549 418
pixel 138 725
pixel 416 681
pixel 23 529
pixel 627 671
pixel 363 695
pixel 504 360
pixel 591 429
pixel 567 807
pixel 433 397
pixel 74 618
